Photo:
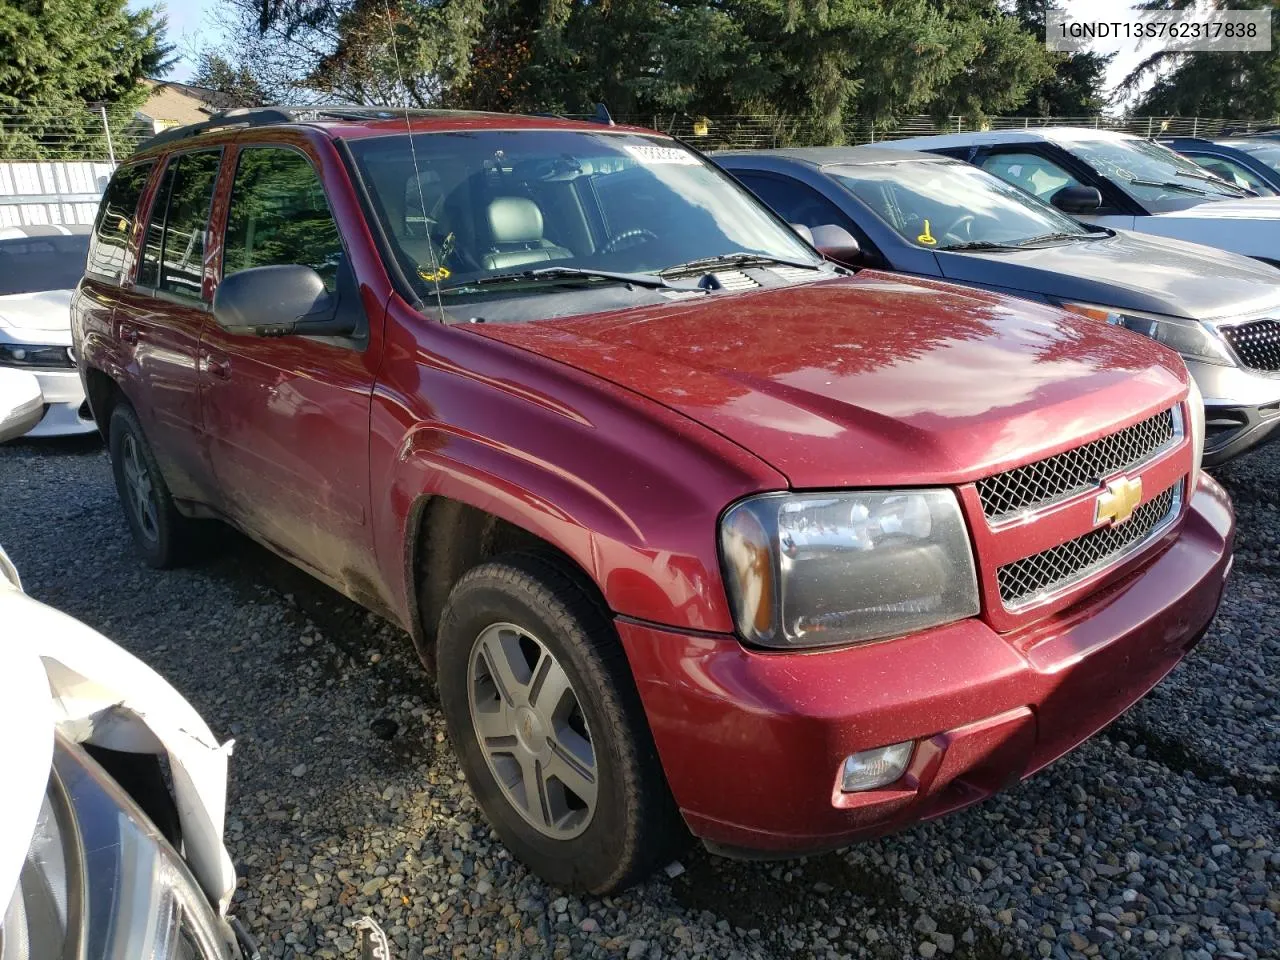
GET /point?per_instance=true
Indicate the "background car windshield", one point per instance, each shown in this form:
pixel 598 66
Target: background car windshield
pixel 1268 153
pixel 958 203
pixel 1124 161
pixel 35 264
pixel 500 202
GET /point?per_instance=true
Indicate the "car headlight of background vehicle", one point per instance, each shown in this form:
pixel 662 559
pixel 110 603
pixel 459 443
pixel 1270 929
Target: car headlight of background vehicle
pixel 815 569
pixel 1192 339
pixel 30 355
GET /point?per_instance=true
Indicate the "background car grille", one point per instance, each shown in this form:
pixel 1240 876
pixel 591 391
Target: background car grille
pixel 1074 471
pixel 1256 343
pixel 1023 580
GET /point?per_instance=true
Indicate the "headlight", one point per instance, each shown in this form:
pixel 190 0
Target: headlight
pixel 1188 337
pixel 35 355
pixel 814 569
pixel 1195 409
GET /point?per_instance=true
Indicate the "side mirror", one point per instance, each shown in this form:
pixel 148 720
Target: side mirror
pixel 277 301
pixel 21 403
pixel 1077 199
pixel 836 243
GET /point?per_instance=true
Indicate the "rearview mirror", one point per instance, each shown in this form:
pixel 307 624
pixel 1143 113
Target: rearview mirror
pixel 277 301
pixel 1077 199
pixel 836 243
pixel 21 403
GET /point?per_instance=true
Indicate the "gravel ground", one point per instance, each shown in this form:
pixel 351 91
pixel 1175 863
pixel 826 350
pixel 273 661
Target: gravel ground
pixel 1156 839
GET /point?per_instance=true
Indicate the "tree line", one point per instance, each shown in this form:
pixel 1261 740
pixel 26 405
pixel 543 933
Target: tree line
pixel 818 63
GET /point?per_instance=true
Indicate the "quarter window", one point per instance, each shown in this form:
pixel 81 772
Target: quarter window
pixel 173 255
pixel 279 215
pixel 115 221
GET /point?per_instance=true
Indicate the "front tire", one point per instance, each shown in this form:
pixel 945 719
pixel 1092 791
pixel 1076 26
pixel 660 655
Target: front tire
pixel 161 535
pixel 545 719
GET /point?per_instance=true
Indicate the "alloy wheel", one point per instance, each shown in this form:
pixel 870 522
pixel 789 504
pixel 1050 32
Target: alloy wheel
pixel 142 492
pixel 532 731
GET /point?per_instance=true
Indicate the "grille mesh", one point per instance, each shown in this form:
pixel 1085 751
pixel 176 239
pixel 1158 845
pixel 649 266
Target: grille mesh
pixel 1256 343
pixel 1074 471
pixel 1068 562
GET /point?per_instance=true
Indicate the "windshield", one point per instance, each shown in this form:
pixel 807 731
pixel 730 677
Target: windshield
pixel 494 203
pixel 1155 176
pixel 1268 153
pixel 36 264
pixel 942 205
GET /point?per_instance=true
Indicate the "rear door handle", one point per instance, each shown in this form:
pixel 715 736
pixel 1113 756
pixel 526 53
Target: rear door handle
pixel 219 367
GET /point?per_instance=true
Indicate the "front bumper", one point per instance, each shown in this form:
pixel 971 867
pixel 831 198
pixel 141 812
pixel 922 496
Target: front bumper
pixel 752 742
pixel 1242 409
pixel 66 412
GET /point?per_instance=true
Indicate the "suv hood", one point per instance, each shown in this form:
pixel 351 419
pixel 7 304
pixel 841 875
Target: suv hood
pixel 873 380
pixel 48 311
pixel 1128 271
pixel 1245 208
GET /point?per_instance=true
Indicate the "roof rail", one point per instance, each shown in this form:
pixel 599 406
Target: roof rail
pixel 240 117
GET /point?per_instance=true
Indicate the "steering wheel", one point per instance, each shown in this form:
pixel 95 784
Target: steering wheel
pixel 964 223
pixel 639 234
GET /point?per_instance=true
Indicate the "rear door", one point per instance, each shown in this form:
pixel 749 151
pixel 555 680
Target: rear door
pixel 160 317
pixel 288 417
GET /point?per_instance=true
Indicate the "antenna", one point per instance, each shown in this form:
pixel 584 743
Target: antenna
pixel 417 173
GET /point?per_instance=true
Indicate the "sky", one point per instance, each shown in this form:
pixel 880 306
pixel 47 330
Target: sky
pixel 192 25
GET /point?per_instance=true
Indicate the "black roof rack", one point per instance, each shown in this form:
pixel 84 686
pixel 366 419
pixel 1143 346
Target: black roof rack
pixel 266 116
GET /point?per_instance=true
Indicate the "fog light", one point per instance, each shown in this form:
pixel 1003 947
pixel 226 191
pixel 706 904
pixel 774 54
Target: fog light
pixel 875 768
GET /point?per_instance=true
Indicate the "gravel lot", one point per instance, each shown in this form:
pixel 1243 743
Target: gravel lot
pixel 1156 839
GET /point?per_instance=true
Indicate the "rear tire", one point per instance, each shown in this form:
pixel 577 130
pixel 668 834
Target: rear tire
pixel 567 772
pixel 161 535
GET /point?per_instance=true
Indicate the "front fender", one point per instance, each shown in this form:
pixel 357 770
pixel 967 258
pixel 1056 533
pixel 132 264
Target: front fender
pixel 628 489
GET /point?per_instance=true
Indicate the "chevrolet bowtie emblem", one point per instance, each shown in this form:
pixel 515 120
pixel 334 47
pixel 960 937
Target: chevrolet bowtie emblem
pixel 1117 503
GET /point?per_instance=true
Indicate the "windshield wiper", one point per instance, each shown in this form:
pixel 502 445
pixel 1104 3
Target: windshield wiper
pixel 647 280
pixel 741 259
pixel 980 245
pixel 1218 182
pixel 1168 185
pixel 1048 237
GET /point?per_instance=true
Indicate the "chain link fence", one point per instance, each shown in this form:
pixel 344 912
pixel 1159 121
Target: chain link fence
pixel 60 132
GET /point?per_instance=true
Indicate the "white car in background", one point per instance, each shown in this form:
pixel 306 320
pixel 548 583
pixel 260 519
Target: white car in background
pixel 1120 181
pixel 101 855
pixel 39 269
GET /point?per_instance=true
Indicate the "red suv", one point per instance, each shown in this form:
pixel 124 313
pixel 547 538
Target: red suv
pixel 697 531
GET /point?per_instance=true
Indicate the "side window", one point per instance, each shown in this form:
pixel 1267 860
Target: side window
pixel 279 215
pixel 795 202
pixel 1030 171
pixel 115 221
pixel 173 254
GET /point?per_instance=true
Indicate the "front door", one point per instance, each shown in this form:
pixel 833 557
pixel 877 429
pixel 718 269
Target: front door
pixel 288 417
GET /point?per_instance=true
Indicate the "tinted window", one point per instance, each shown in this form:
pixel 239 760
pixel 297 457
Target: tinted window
pixel 182 207
pixel 795 202
pixel 279 215
pixel 115 221
pixel 32 264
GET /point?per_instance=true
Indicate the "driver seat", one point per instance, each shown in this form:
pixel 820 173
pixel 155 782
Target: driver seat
pixel 515 226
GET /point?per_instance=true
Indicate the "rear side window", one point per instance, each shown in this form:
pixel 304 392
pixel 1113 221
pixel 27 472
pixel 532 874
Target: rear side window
pixel 279 215
pixel 115 221
pixel 173 255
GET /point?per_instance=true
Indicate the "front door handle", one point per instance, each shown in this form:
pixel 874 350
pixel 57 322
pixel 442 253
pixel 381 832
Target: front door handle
pixel 128 333
pixel 219 367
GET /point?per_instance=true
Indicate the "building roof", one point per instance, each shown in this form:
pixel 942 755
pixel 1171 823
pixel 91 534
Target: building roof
pixel 176 104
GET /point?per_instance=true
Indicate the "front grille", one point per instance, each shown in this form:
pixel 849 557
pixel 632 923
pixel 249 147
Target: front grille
pixel 1066 474
pixel 1023 581
pixel 1256 343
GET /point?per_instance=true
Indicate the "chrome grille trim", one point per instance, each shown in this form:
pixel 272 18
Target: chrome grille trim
pixel 1043 483
pixel 1256 343
pixel 1034 579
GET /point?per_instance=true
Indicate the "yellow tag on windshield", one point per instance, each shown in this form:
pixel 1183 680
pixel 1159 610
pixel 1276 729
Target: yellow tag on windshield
pixel 926 238
pixel 431 276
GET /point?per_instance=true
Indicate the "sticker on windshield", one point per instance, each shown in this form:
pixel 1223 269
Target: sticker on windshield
pixel 649 156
